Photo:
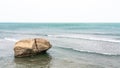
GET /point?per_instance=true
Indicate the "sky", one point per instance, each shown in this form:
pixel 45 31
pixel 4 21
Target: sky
pixel 59 11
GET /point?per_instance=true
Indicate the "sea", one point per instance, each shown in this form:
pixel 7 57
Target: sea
pixel 74 45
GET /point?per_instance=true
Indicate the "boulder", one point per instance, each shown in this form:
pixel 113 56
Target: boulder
pixel 29 47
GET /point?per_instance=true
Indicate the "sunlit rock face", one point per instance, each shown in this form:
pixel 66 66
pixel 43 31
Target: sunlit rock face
pixel 29 47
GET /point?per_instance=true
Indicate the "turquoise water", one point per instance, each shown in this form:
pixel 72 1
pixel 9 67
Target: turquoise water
pixel 75 45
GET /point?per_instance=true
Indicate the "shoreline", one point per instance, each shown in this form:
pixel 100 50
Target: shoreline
pixel 55 58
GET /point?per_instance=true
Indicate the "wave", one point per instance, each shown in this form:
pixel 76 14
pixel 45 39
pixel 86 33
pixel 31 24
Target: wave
pixel 23 33
pixel 88 37
pixel 110 34
pixel 11 39
pixel 94 36
pixel 90 52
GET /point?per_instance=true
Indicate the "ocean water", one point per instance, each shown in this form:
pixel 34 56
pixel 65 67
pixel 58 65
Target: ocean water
pixel 75 45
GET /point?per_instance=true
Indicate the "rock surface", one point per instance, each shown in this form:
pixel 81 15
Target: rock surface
pixel 29 47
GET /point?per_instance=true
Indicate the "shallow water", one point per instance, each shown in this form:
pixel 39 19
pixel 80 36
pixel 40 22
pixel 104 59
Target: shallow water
pixel 74 45
pixel 57 57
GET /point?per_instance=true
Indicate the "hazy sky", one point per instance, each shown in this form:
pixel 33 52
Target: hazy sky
pixel 59 10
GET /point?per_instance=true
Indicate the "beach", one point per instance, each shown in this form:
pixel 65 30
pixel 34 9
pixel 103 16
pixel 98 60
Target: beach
pixel 75 45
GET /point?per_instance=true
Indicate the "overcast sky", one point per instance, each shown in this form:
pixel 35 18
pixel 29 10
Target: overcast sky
pixel 59 10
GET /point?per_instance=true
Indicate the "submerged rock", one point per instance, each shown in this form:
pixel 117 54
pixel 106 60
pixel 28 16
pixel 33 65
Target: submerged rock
pixel 38 61
pixel 29 47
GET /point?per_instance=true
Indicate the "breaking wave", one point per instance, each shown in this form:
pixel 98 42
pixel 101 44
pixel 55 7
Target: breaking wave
pixel 90 52
pixel 10 39
pixel 88 37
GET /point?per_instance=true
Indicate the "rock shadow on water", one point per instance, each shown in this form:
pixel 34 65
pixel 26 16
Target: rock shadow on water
pixel 37 61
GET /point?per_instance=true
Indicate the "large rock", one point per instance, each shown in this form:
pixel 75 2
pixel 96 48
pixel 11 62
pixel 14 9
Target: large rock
pixel 29 47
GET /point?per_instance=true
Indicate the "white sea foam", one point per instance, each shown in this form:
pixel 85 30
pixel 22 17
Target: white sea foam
pixel 88 37
pixel 10 39
pixel 88 51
